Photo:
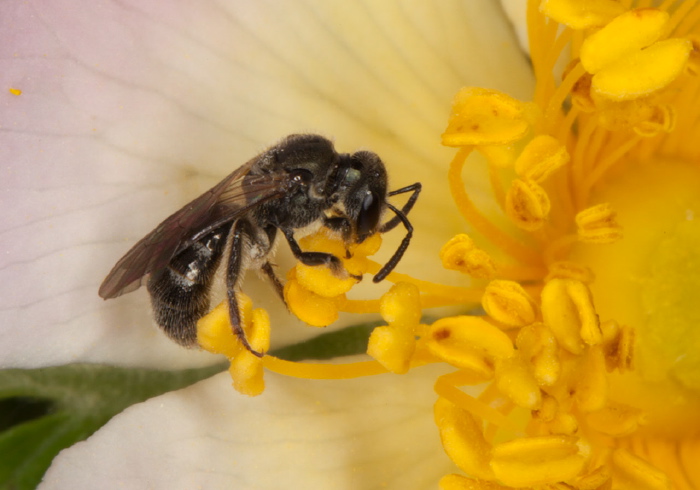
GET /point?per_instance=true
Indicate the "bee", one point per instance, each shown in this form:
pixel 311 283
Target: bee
pixel 299 182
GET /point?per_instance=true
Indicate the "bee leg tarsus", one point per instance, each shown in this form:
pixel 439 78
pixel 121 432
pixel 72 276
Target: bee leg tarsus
pixel 240 232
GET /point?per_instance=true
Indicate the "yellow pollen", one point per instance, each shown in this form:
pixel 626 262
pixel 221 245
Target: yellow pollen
pixel 15 91
pixel 540 158
pixel 509 304
pixel 537 460
pixel 214 334
pixel 598 225
pixel 582 14
pixel 527 204
pixel 567 309
pixel 485 117
pixel 623 36
pixel 644 72
pixel 470 343
pixel 460 254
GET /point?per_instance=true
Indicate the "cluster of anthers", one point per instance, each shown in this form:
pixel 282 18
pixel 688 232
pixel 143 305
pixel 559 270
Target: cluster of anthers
pixel 542 357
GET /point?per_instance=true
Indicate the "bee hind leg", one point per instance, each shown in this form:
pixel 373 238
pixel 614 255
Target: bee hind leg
pixel 242 231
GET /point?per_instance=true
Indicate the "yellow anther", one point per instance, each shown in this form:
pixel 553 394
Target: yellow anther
pixel 369 247
pixel 309 307
pixel 462 255
pixel 693 66
pixel 321 281
pixel 548 408
pixel 393 347
pixel 246 369
pixel 508 303
pixel 661 119
pixel 463 439
pixel 595 480
pixel 527 204
pixel 401 305
pixel 515 380
pixel 540 157
pixel 623 36
pixel 214 334
pixel 582 14
pixel 567 309
pixel 537 460
pixel 563 423
pixel 469 342
pixel 618 346
pixel 598 224
pixel 570 270
pixel 592 382
pixel 581 94
pixel 643 72
pixel 459 482
pixel 537 345
pixel 616 420
pixel 484 117
pixel 629 471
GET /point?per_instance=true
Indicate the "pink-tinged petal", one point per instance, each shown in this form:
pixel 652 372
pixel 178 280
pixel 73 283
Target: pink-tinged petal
pixel 358 433
pixel 129 109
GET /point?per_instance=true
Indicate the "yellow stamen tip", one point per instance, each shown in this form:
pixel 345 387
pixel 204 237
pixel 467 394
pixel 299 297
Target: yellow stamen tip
pixel 527 204
pixel 463 439
pixel 598 224
pixel 462 255
pixel 401 305
pixel 515 380
pixel 630 471
pixel 309 307
pixel 393 347
pixel 567 309
pixel 540 157
pixel 537 460
pixel 469 342
pixel 582 14
pixel 509 304
pixel 570 270
pixel 485 117
pixel 537 345
pixel 623 36
pixel 643 72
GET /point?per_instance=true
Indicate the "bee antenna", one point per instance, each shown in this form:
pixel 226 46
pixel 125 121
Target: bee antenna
pixel 394 260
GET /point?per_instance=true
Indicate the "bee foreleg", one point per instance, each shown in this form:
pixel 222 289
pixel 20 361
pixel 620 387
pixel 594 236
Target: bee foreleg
pixel 241 231
pixel 315 258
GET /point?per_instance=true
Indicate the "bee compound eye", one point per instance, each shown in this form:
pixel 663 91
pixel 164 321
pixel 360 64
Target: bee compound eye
pixel 300 176
pixel 368 217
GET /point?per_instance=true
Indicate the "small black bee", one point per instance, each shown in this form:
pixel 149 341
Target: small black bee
pixel 298 182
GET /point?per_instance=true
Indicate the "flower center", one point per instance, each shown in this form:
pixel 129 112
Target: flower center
pixel 649 280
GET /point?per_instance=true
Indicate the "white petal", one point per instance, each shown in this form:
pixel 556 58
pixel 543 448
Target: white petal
pixel 129 109
pixel 362 433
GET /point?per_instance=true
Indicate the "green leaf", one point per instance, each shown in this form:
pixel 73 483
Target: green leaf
pixel 346 342
pixel 74 401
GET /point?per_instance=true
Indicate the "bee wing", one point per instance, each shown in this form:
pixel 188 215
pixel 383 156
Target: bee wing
pixel 223 203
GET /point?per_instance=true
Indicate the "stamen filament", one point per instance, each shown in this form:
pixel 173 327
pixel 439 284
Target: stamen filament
pixel 553 115
pixel 450 392
pixel 612 157
pixel 480 223
pixel 323 371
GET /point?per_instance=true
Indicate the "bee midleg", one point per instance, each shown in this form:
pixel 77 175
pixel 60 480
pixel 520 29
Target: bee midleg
pixel 242 230
pixel 315 258
pixel 180 292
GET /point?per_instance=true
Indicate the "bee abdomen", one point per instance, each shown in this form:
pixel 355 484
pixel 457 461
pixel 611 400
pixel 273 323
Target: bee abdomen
pixel 180 292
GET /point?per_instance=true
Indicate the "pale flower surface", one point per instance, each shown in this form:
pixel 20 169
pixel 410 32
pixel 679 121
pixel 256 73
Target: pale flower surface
pixel 114 115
